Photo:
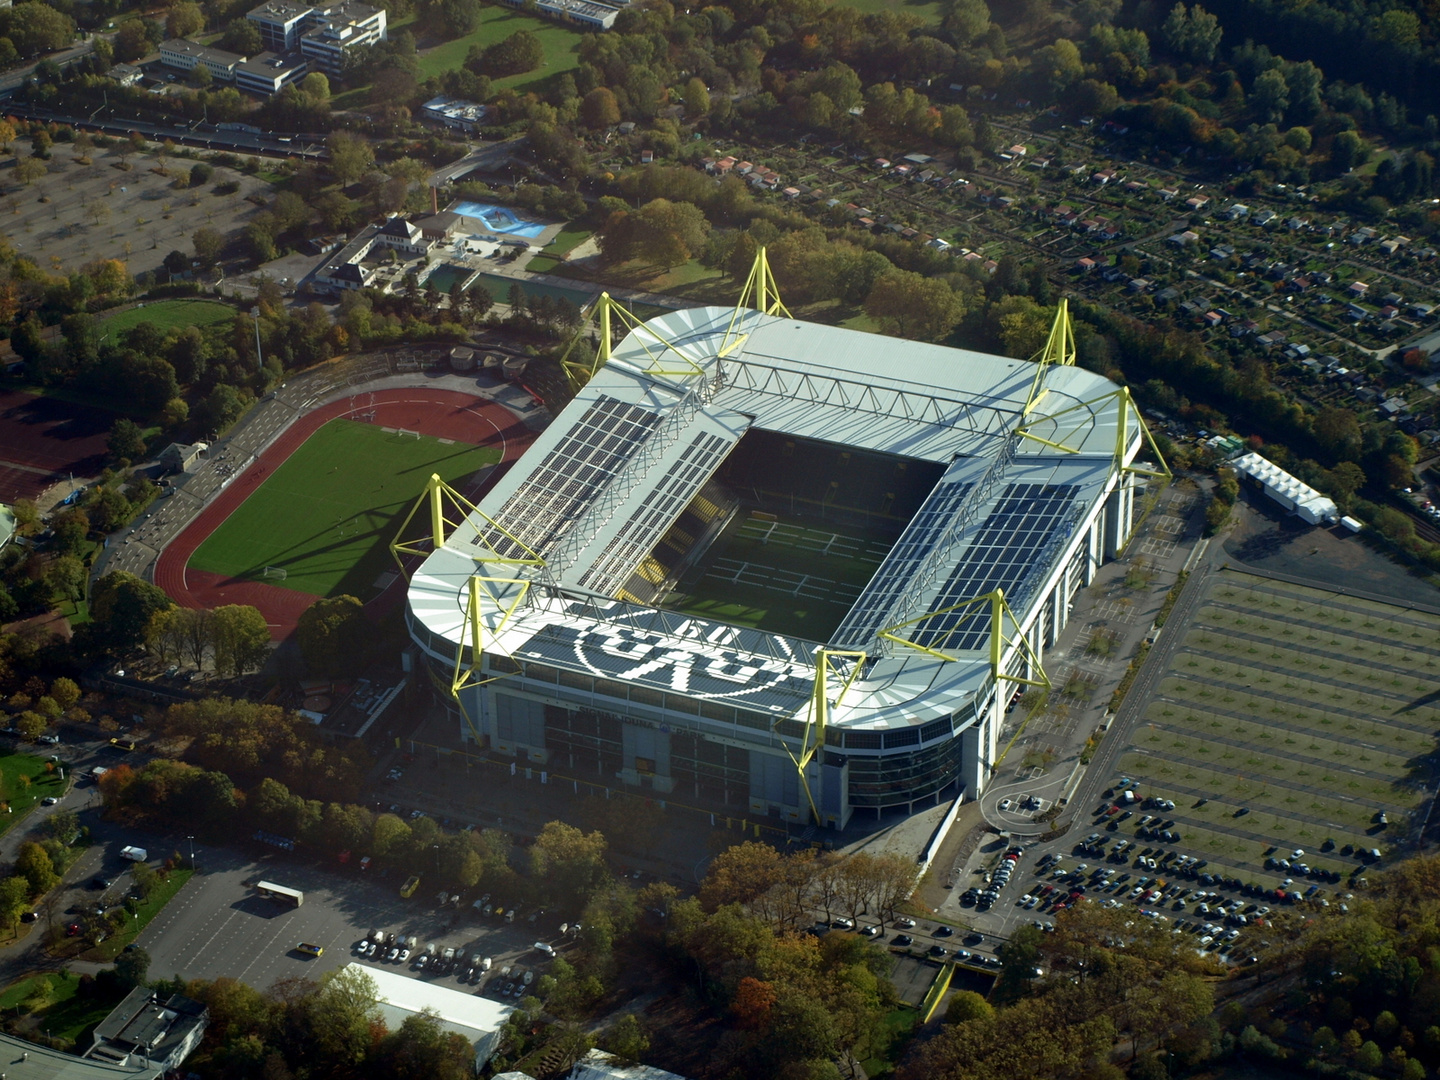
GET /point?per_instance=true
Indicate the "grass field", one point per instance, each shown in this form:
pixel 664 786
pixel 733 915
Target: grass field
pixel 929 10
pixel 496 24
pixel 795 579
pixel 327 515
pixel 24 781
pixel 67 1016
pixel 170 314
pixel 1292 717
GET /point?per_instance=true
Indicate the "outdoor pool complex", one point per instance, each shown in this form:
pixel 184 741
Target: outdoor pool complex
pixel 499 219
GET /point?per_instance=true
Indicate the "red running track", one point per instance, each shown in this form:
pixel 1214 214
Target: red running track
pixel 444 414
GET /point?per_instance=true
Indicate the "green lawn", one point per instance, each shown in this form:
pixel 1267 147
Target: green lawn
pixel 929 10
pixel 111 947
pixel 327 515
pixel 170 314
pixel 566 241
pixel 68 1016
pixel 24 781
pixel 496 24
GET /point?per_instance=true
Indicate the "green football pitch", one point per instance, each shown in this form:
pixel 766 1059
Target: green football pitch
pixel 327 515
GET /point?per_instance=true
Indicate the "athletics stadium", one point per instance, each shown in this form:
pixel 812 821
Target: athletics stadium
pixel 789 569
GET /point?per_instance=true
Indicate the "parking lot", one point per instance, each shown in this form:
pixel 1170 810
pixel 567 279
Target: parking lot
pixel 220 926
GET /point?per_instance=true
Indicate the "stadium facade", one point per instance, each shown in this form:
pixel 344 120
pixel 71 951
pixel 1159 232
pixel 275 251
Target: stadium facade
pixel 546 611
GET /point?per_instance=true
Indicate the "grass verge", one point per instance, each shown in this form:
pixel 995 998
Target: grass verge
pixel 892 1035
pixel 111 947
pixel 66 1015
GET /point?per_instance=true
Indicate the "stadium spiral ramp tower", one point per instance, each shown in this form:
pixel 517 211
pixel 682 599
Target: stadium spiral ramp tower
pixel 485 592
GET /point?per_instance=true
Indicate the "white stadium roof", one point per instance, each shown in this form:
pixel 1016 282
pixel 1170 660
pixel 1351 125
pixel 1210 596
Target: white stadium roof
pixel 601 485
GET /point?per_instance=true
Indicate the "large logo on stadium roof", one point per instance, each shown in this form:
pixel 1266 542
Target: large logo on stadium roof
pixel 697 667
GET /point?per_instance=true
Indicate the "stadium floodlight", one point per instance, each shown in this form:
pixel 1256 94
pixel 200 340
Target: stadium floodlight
pixel 439 497
pixel 812 738
pixel 1059 349
pixel 999 638
pixel 761 288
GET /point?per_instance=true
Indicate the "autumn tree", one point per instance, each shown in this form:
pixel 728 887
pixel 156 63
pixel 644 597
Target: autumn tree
pixel 599 109
pixel 241 638
pixel 907 304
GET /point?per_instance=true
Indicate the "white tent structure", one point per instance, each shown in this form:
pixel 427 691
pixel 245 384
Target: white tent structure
pixel 1285 489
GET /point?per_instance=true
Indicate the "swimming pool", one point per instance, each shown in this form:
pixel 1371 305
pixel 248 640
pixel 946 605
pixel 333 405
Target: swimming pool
pixel 500 219
pixel 447 274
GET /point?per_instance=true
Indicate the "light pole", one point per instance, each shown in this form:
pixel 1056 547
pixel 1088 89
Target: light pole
pixel 255 314
pixel 192 851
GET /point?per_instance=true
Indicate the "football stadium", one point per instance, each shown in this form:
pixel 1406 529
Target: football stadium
pixel 789 569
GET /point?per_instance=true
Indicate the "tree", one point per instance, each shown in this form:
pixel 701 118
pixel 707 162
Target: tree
pixel 1348 150
pixel 122 606
pixel 131 42
pixel 31 725
pixel 68 530
pixel 241 638
pixel 14 899
pixel 331 635
pixel 183 19
pixel 38 28
pixel 65 577
pixel 132 967
pixel 740 874
pixel 966 1006
pixel 29 169
pixel 911 305
pixel 568 862
pixel 422 1048
pixel 342 1014
pixel 515 55
pixel 127 440
pixel 315 86
pixel 351 157
pixel 599 109
pixel 208 242
pixel 64 826
pixel 661 232
pixel 1270 96
pixel 965 20
pixel 627 1040
pixel 34 865
pixel 65 692
pixel 697 99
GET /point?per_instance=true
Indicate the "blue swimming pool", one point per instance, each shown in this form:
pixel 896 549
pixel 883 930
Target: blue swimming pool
pixel 500 219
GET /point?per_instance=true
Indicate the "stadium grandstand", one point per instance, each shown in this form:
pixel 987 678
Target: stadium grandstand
pixel 787 569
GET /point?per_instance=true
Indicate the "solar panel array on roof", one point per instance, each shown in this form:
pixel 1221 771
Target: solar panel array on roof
pixel 1001 556
pixel 590 455
pixel 872 611
pixel 662 505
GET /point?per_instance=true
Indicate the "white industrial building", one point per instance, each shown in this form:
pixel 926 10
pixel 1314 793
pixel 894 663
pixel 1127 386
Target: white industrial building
pixel 474 1016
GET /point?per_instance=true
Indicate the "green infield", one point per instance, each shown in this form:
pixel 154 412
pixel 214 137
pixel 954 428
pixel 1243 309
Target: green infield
pixel 322 522
pixel 169 314
pixel 783 575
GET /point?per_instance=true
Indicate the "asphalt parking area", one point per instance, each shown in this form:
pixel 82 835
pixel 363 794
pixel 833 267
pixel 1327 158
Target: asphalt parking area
pixel 218 926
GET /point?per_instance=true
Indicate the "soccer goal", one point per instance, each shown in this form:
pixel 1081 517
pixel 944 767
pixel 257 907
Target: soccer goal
pixel 406 433
pixel 275 572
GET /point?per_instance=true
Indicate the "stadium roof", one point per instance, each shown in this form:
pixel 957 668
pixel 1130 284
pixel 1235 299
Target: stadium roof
pixel 604 482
